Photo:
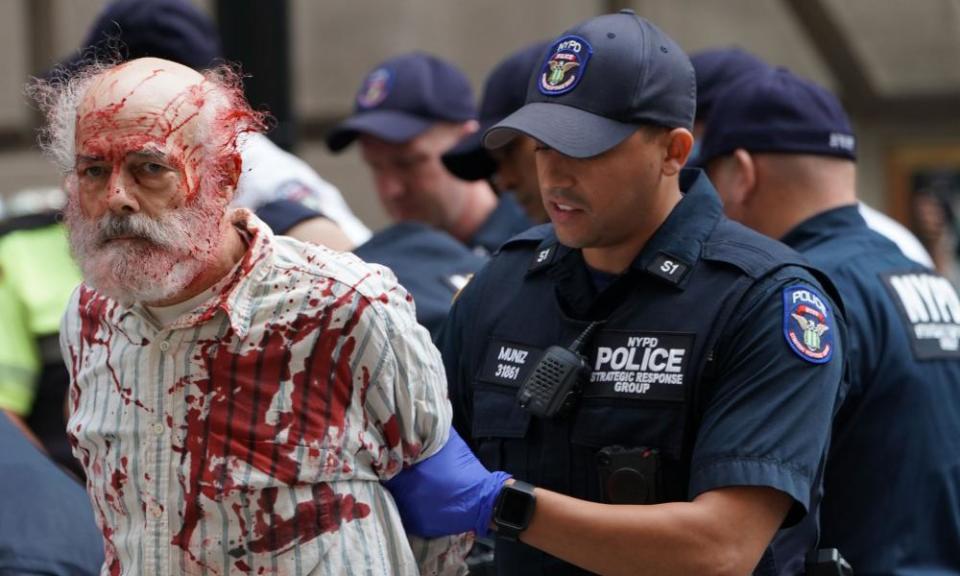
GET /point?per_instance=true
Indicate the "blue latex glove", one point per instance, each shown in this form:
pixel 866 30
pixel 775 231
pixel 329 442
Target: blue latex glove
pixel 448 493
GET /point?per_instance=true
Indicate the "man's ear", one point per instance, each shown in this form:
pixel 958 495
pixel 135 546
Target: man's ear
pixel 231 167
pixel 745 175
pixel 679 143
pixel 734 176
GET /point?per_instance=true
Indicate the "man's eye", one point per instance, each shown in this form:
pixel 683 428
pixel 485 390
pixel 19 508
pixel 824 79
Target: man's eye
pixel 152 168
pixel 93 171
pixel 540 147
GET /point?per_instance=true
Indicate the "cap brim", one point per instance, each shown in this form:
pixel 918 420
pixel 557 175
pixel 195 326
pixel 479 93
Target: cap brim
pixel 469 160
pixel 389 125
pixel 570 131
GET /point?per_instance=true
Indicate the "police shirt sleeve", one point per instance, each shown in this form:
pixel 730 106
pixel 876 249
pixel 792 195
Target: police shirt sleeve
pixel 766 415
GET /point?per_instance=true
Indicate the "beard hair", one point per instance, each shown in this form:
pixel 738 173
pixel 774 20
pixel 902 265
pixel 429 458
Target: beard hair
pixel 168 253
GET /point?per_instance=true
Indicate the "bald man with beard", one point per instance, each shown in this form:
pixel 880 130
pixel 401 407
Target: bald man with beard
pixel 236 397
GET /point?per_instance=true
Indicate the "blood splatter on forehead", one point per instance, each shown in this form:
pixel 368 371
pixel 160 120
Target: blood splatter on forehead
pixel 146 105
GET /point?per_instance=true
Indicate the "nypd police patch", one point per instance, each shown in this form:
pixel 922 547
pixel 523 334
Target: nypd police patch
pixel 565 65
pixel 375 88
pixel 808 324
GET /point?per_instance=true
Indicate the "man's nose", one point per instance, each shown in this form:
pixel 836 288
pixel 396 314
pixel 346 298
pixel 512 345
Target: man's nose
pixel 120 196
pixel 551 172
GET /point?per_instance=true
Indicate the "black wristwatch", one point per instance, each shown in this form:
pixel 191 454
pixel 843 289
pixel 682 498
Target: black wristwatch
pixel 514 509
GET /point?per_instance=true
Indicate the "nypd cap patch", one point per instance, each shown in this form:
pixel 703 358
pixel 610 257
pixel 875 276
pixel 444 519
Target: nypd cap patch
pixel 375 88
pixel 808 324
pixel 564 66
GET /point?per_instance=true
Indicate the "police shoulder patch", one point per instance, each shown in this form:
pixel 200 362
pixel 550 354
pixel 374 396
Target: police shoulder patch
pixel 564 66
pixel 808 324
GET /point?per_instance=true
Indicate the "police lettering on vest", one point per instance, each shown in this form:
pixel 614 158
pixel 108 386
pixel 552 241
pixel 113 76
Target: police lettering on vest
pixel 646 364
pixel 930 309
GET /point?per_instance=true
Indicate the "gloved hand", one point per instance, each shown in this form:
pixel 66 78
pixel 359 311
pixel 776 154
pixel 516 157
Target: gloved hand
pixel 448 493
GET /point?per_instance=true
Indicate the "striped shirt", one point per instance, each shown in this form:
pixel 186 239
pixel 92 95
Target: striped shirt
pixel 249 436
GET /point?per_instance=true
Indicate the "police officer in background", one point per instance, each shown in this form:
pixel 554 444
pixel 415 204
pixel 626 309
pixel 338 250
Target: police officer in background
pixel 512 169
pixel 781 152
pixel 408 112
pixel 428 262
pixel 709 357
pixel 716 70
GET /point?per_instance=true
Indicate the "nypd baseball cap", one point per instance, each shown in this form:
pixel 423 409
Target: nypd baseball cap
pixel 174 30
pixel 718 68
pixel 778 112
pixel 598 82
pixel 403 97
pixel 504 92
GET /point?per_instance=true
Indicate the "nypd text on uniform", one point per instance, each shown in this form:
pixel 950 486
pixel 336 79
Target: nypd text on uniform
pixel 932 306
pixel 642 362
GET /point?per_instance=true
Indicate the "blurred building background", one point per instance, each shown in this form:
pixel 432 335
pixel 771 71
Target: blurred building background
pixel 895 64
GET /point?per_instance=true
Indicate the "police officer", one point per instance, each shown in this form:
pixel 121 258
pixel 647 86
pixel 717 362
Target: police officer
pixel 408 112
pixel 719 68
pixel 781 152
pixel 512 169
pixel 711 356
pixel 428 262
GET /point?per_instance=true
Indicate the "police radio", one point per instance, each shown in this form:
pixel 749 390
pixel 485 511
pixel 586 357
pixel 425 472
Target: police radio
pixel 555 383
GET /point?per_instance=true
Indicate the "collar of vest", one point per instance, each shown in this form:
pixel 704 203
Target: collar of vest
pixel 823 226
pixel 674 249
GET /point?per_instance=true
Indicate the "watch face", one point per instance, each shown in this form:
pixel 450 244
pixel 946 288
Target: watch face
pixel 515 508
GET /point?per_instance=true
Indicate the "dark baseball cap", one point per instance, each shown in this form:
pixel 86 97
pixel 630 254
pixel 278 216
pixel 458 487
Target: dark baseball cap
pixel 598 83
pixel 778 112
pixel 719 68
pixel 174 30
pixel 403 97
pixel 504 92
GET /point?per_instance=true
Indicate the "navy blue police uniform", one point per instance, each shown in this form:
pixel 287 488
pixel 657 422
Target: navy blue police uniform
pixel 901 418
pixel 891 501
pixel 507 220
pixel 429 263
pixel 719 350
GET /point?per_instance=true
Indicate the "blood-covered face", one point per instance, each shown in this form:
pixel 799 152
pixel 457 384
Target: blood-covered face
pixel 146 201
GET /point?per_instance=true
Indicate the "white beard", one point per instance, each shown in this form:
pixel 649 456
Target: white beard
pixel 167 254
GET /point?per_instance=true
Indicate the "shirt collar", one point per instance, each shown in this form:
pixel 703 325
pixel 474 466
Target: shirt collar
pixel 822 226
pixel 232 294
pixel 679 239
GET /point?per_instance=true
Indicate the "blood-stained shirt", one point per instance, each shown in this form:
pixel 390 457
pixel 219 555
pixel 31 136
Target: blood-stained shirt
pixel 250 435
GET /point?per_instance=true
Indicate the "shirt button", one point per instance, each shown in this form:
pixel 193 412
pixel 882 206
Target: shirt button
pixel 164 346
pixel 158 428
